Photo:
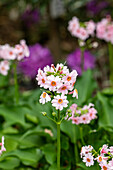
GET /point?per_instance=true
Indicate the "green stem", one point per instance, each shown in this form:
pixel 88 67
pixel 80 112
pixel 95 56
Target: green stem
pixel 81 135
pixel 110 47
pixel 58 141
pixel 16 84
pixel 82 60
pixel 75 146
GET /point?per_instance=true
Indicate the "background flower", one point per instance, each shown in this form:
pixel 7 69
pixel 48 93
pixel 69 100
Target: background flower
pixel 30 17
pixel 96 6
pixel 74 61
pixel 39 58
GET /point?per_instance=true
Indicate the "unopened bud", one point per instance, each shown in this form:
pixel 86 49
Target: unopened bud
pixel 82 43
pixel 69 110
pixel 44 113
pixel 53 114
pixel 95 44
pixel 59 68
pixel 61 72
pixel 52 65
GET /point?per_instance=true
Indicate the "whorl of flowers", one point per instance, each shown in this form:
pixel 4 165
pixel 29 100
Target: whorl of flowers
pixel 104 156
pixel 81 115
pixel 104 29
pixel 58 82
pixel 81 30
pixel 2 146
pixel 8 53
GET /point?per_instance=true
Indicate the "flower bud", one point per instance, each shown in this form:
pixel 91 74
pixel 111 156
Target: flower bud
pixel 53 114
pixel 44 113
pixel 69 110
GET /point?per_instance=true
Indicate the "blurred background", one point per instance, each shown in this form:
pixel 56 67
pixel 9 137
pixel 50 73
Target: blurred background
pixel 30 138
pixel 43 24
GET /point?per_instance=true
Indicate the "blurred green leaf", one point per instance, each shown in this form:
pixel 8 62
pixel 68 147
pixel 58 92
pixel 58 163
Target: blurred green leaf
pixel 49 152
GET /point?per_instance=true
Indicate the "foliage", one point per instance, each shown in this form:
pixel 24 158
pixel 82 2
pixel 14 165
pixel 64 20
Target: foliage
pixel 27 143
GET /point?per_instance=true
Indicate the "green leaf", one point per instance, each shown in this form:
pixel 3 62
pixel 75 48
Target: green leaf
pixel 85 86
pixel 28 156
pixel 70 129
pixel 14 115
pixel 49 152
pixel 9 163
pixel 105 111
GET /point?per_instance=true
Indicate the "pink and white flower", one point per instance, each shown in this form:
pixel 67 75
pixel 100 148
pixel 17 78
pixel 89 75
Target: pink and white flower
pixel 75 93
pixel 59 102
pixel 44 98
pixel 104 150
pixel 88 159
pixel 85 119
pixel 73 25
pixel 90 27
pixel 4 67
pixel 71 77
pixel 64 88
pixel 53 83
pixel 42 79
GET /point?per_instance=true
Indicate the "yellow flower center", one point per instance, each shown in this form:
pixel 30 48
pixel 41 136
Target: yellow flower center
pixel 53 83
pixel 64 88
pixel 68 78
pixel 43 81
pixel 60 101
pixel 88 160
pixel 44 95
pixel 100 158
pixel 104 167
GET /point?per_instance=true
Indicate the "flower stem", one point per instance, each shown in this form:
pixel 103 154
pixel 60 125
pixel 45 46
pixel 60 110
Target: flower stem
pixel 110 47
pixel 58 141
pixel 16 84
pixel 75 146
pixel 82 59
pixel 81 135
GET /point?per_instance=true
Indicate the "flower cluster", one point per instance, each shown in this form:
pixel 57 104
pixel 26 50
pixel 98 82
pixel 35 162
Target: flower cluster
pixel 8 53
pixel 74 60
pixel 39 58
pixel 2 146
pixel 104 156
pixel 104 29
pixel 81 30
pixel 59 82
pixel 81 115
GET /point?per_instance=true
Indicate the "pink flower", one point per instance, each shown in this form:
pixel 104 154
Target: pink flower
pixel 73 25
pixel 4 67
pixel 104 150
pixel 60 102
pixel 88 159
pixel 41 78
pixel 71 77
pixel 76 120
pixel 111 164
pixel 90 27
pixel 64 88
pixel 49 132
pixel 83 35
pixel 62 69
pixel 2 146
pixel 75 93
pixel 44 98
pixel 85 119
pixel 53 82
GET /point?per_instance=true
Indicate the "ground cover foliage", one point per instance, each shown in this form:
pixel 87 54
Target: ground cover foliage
pixel 23 125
